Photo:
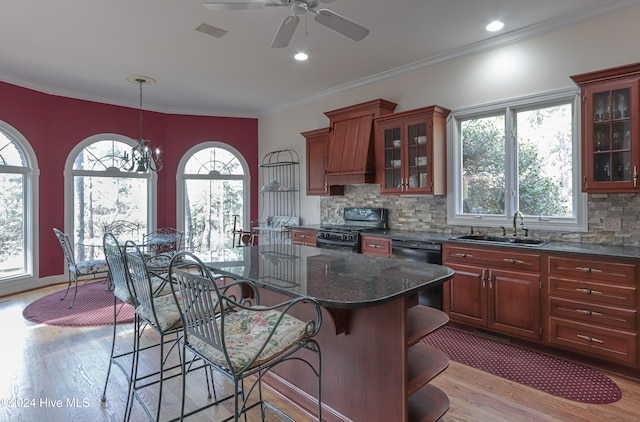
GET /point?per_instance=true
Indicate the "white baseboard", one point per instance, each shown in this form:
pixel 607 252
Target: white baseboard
pixel 13 286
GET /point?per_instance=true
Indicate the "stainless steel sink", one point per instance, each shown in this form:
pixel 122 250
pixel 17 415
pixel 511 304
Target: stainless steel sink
pixel 525 241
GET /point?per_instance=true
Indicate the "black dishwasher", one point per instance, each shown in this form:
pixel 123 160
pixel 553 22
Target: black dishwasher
pixel 421 251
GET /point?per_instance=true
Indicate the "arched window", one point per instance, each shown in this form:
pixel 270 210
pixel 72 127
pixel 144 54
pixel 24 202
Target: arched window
pixel 101 191
pixel 212 195
pixel 18 206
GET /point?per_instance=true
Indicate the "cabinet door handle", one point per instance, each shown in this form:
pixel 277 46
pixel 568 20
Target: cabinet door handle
pixel 589 312
pixel 513 261
pixel 588 269
pixel 491 278
pixel 465 255
pixel 325 187
pixel 590 339
pixel 635 176
pixel 589 291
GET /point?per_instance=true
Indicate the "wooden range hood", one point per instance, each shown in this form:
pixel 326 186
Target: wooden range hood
pixel 350 148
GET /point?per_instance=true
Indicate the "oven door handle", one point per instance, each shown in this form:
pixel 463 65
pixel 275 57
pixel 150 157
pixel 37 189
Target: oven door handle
pixel 334 242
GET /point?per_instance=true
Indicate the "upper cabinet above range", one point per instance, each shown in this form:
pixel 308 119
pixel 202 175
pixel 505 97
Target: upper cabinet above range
pixel 610 129
pixel 411 151
pixel 350 146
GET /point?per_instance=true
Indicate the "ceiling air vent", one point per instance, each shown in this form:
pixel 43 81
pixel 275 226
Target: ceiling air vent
pixel 211 30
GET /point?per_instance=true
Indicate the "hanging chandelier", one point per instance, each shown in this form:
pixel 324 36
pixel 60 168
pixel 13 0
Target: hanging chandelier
pixel 142 157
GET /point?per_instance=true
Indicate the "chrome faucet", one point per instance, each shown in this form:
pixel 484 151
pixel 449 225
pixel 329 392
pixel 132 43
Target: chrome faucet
pixel 515 219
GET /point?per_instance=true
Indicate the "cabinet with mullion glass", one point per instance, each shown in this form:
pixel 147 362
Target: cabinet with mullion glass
pixel 610 135
pixel 410 151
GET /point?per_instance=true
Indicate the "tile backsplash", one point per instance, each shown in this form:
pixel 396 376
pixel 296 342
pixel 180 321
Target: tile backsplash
pixel 429 214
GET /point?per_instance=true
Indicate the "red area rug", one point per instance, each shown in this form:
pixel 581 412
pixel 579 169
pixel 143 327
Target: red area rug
pixel 93 306
pixel 555 376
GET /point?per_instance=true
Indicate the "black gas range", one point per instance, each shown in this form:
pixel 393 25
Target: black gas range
pixel 346 236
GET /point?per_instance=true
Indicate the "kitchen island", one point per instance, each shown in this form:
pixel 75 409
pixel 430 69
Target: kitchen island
pixel 373 365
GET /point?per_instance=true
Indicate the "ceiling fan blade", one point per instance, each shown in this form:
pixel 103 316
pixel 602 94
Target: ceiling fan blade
pixel 285 32
pixel 341 24
pixel 243 5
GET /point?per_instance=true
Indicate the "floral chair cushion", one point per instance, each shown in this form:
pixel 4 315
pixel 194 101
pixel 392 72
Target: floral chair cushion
pixel 122 293
pixel 244 334
pixel 93 266
pixel 167 312
pixel 159 285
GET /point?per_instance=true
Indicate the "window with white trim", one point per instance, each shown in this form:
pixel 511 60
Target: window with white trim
pixel 213 196
pixel 102 191
pixel 518 156
pixel 17 205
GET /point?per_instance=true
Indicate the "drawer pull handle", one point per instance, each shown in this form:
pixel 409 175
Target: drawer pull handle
pixel 590 339
pixel 589 291
pixel 588 269
pixel 513 261
pixel 464 255
pixel 371 245
pixel 589 312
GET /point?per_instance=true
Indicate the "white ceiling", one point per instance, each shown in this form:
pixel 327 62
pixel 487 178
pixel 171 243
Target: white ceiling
pixel 86 48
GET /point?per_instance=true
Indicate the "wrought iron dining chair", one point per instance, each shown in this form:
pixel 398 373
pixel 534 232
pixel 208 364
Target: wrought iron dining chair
pixel 123 294
pixel 78 271
pixel 123 230
pixel 160 313
pixel 239 336
pixel 165 240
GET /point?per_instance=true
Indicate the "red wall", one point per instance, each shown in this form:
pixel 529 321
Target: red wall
pixel 54 125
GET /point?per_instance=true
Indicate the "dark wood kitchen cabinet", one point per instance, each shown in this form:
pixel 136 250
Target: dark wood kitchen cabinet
pixel 593 307
pixel 610 129
pixel 376 246
pixel 305 237
pixel 495 289
pixel 317 163
pixel 411 151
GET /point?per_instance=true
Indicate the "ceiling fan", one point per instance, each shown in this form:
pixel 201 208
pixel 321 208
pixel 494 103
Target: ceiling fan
pixel 290 23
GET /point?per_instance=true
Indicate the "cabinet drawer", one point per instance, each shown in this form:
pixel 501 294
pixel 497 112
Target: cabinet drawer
pixel 593 314
pixel 303 237
pixel 593 292
pixel 377 246
pixel 593 269
pixel 612 345
pixel 492 257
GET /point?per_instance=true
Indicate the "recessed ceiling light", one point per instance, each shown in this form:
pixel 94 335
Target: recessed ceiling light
pixel 494 26
pixel 301 56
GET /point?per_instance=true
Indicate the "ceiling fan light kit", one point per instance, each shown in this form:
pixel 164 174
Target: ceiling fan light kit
pixel 297 8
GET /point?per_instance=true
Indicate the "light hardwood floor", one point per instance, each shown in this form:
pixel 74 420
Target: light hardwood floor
pixel 57 373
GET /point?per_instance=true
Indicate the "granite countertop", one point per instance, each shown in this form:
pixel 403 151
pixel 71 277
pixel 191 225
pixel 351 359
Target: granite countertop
pixel 632 252
pixel 336 279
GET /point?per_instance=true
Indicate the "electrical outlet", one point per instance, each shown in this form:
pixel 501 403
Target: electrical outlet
pixel 613 224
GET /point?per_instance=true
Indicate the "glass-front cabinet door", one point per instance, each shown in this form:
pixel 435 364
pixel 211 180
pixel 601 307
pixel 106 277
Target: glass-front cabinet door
pixel 610 123
pixel 419 154
pixel 393 180
pixel 405 146
pixel 610 161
